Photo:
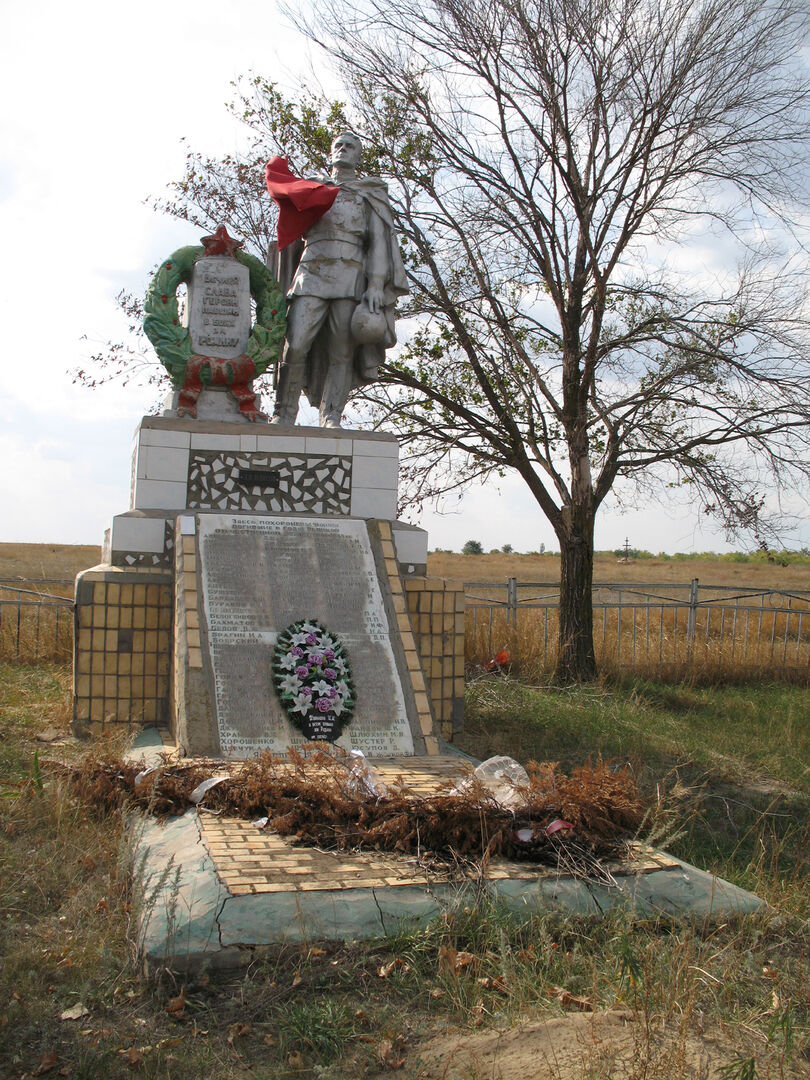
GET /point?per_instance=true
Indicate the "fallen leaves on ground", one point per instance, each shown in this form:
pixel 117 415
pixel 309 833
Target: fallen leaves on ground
pixel 132 1056
pixel 176 1006
pixel 384 1051
pixel 568 1000
pixel 453 962
pixel 478 1015
pixel 397 964
pixel 48 1061
pixel 237 1031
pixel 76 1012
pixel 498 984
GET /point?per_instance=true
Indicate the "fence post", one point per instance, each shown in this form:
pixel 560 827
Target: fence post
pixel 691 622
pixel 511 601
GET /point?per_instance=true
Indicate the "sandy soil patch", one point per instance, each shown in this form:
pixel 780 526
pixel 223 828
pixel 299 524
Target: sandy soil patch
pixel 600 1046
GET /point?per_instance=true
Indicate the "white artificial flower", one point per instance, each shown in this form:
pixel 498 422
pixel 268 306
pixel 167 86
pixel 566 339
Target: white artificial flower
pixel 288 662
pixel 289 684
pixel 302 703
pixel 339 664
pixel 342 688
pixel 299 638
pixel 321 686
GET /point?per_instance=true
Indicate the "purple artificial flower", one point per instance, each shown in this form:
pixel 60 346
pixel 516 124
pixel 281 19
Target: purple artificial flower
pixel 312 639
pixel 323 704
pixel 329 654
pixel 315 658
pixel 296 651
pixel 305 691
pixel 302 671
pixel 332 693
pixel 329 673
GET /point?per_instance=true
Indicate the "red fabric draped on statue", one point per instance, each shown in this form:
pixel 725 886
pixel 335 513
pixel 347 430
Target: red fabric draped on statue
pixel 300 202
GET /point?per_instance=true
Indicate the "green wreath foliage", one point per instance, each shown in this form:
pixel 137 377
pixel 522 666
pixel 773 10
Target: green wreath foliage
pixel 171 339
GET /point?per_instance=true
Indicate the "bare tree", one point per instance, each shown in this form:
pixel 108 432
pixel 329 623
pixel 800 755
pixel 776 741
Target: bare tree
pixel 550 162
pixel 553 164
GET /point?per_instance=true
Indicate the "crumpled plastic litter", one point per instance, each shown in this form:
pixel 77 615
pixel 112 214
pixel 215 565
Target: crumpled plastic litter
pixel 200 790
pixel 525 836
pixel 364 778
pixel 503 777
pixel 142 775
pixel 558 825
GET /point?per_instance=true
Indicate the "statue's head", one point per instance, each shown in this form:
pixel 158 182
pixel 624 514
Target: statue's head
pixel 346 149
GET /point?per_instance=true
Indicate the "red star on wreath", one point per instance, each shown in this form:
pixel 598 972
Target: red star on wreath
pixel 220 244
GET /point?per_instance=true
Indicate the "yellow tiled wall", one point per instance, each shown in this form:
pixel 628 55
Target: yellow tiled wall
pixel 122 648
pixel 420 690
pixel 436 608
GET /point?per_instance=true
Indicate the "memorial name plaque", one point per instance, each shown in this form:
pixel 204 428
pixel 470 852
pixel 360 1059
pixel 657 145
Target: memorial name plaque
pixel 219 307
pixel 320 728
pixel 259 575
pixel 260 477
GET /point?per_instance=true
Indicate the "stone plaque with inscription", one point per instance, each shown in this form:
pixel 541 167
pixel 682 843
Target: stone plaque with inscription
pixel 219 307
pixel 259 575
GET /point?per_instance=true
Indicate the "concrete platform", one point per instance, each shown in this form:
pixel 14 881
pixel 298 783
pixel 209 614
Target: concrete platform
pixel 217 889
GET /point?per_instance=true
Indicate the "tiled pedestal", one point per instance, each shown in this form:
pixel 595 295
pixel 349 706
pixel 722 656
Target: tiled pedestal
pixel 127 612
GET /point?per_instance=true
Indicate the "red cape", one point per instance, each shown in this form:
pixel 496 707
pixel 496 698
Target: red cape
pixel 300 202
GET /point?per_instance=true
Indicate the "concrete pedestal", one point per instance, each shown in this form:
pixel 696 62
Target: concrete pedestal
pixel 139 639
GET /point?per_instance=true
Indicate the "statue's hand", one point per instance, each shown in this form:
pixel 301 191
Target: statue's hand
pixel 373 298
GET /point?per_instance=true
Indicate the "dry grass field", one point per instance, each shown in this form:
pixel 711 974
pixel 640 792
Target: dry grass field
pixel 31 630
pixel 35 562
pixel 718 570
pixel 38 562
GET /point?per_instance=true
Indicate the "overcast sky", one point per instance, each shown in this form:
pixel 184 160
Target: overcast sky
pixel 95 98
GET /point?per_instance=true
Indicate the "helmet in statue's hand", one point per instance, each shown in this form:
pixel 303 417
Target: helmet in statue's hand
pixel 368 327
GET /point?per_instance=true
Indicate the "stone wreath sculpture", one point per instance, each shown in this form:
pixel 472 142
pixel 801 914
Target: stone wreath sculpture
pixel 313 680
pixel 190 371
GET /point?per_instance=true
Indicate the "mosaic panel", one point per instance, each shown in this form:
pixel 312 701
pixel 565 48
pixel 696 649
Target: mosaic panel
pixel 294 482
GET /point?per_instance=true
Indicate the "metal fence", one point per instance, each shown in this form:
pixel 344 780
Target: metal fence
pixel 35 624
pixel 647 624
pixel 644 625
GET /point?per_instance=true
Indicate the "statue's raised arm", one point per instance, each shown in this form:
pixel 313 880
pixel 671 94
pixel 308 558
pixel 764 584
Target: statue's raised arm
pixel 342 283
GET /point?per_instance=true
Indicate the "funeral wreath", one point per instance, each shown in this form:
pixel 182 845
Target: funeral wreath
pixel 313 680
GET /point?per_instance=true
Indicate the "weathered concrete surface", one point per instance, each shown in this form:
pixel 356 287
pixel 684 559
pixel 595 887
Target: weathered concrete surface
pixel 190 919
pixel 180 893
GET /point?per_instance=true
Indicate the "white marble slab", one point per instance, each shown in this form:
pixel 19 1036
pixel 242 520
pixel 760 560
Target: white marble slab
pixel 137 534
pixel 374 503
pixel 375 472
pixel 219 307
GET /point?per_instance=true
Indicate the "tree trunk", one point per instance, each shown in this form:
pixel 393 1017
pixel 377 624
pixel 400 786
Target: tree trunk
pixel 576 661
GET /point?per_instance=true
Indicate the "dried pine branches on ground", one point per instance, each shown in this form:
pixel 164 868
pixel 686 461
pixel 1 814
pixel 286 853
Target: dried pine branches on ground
pixel 314 798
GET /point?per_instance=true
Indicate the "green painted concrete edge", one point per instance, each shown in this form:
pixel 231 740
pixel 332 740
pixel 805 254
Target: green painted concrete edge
pixel 188 918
